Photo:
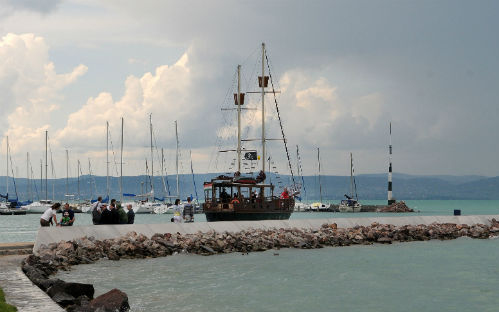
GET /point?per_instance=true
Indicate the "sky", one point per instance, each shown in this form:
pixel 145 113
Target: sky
pixel 344 70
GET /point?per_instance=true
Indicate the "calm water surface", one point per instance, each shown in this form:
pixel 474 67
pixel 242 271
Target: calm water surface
pixel 24 228
pixel 458 275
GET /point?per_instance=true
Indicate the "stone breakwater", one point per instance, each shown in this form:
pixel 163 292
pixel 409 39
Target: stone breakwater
pixel 78 297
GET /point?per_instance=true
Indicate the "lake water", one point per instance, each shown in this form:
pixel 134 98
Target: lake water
pixel 24 228
pixel 458 275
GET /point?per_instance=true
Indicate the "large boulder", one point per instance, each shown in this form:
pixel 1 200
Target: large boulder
pixel 73 289
pixel 113 300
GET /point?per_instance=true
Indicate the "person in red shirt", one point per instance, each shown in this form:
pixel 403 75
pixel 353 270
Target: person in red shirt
pixel 285 194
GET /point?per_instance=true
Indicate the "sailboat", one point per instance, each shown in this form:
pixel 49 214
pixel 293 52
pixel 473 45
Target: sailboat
pixel 146 206
pixel 319 206
pixel 351 203
pixel 263 204
pixel 43 204
pixel 300 206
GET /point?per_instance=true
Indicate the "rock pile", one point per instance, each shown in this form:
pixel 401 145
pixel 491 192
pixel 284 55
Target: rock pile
pixel 396 207
pixel 74 296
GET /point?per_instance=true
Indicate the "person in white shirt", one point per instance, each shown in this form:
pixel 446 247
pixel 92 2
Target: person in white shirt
pixel 177 211
pixel 49 214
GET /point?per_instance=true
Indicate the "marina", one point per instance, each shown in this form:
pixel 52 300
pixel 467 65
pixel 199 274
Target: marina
pixel 249 156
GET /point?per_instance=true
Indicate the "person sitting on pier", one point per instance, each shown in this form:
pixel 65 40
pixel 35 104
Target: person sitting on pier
pixel 71 215
pixel 49 215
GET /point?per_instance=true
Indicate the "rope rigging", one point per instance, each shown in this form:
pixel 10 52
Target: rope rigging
pixel 280 121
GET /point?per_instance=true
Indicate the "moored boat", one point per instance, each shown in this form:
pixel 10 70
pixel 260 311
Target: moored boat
pixel 240 197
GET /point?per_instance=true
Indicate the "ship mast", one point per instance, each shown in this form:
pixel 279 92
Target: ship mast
pixel 7 176
pixel 238 103
pixel 263 106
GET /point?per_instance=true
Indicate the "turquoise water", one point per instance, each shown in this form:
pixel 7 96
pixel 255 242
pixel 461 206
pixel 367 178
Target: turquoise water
pixel 458 275
pixel 24 228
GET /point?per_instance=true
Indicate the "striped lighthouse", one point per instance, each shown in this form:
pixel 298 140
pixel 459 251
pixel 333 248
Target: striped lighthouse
pixel 390 196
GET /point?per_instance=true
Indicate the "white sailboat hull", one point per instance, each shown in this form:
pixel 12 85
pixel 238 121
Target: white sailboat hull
pixel 346 208
pixel 37 207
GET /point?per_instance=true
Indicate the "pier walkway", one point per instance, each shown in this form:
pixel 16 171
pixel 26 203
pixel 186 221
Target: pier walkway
pixel 48 235
pixel 20 291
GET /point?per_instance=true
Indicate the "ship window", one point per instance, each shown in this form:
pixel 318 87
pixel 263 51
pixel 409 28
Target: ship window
pixel 208 195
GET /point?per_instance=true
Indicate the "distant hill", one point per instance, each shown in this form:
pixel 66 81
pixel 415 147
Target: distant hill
pixel 369 186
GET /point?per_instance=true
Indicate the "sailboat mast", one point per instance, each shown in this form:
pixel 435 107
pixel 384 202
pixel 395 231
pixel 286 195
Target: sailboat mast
pixel 152 158
pixel 41 177
pixel 67 173
pixel 238 103
pixel 121 162
pixel 79 179
pixel 351 175
pixel 107 159
pixel 46 165
pixel 176 158
pixel 193 180
pixel 320 184
pixel 263 107
pixel 7 176
pixel 27 175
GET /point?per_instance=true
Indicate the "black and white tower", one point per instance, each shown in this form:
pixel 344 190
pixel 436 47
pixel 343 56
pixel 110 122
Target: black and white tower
pixel 390 195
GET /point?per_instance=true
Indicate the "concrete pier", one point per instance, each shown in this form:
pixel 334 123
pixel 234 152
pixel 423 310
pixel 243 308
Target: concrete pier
pixel 20 291
pixel 48 235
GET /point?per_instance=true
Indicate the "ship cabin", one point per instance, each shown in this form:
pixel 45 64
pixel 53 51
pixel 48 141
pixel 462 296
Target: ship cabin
pixel 223 194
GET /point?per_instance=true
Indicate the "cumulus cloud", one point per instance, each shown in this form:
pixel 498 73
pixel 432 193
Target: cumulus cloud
pixel 31 88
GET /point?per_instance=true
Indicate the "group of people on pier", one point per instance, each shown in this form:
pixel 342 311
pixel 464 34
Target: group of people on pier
pixel 101 214
pixel 111 214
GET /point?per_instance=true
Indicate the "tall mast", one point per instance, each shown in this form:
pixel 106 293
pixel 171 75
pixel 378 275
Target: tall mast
pixel 390 196
pixel 163 173
pixel 90 177
pixel 67 173
pixel 107 159
pixel 152 159
pixel 78 179
pixel 121 161
pixel 7 176
pixel 41 177
pixel 320 184
pixel 193 180
pixel 176 158
pixel 27 176
pixel 46 165
pixel 238 102
pixel 351 175
pixel 263 107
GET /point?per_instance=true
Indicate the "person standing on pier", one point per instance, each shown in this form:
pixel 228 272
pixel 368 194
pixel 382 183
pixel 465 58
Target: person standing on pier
pixel 188 211
pixel 49 215
pixel 130 214
pixel 97 211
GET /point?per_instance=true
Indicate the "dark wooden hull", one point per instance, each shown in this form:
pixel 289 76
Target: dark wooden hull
pixel 245 216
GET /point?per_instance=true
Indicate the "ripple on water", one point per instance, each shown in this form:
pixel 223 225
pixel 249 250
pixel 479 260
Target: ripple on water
pixel 418 276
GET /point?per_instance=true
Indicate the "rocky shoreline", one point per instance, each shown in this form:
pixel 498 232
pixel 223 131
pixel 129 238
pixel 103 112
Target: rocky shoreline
pixel 79 297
